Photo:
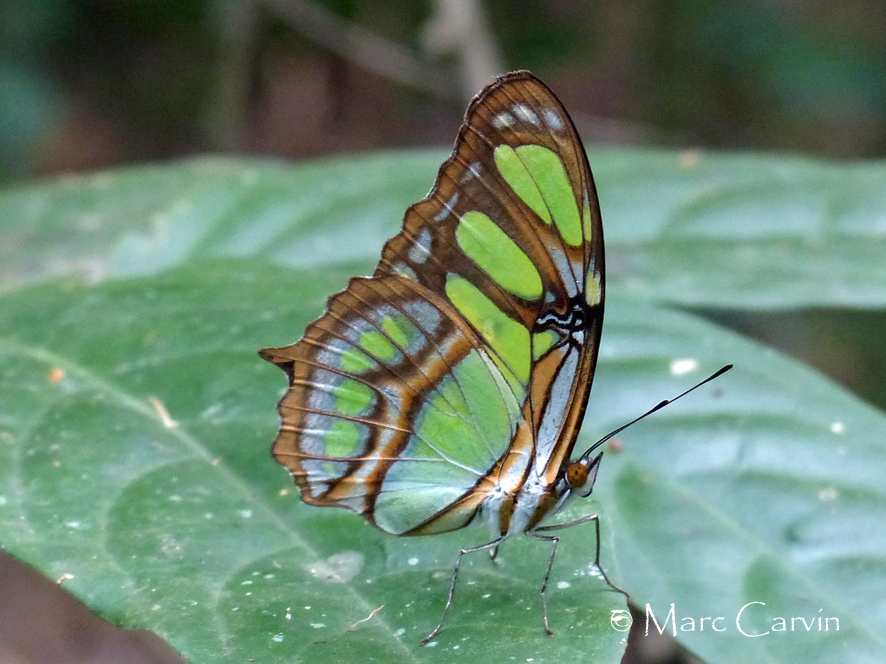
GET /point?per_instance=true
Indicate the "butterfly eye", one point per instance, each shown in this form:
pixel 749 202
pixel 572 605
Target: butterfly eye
pixel 576 475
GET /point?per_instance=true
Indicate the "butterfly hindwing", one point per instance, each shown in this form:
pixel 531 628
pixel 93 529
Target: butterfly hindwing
pixel 394 409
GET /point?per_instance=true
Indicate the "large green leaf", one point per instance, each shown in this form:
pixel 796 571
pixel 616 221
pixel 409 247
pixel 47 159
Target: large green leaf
pixel 189 528
pixel 767 486
pixel 685 227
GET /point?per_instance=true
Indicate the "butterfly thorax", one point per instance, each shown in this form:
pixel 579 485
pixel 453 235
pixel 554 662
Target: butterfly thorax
pixel 522 510
pixel 537 499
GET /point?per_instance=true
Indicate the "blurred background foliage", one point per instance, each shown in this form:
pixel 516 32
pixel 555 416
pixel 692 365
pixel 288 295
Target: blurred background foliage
pixel 91 84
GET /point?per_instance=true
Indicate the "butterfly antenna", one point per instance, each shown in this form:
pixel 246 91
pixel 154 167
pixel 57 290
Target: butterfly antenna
pixel 655 408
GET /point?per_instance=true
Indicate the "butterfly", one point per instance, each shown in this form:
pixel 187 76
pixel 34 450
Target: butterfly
pixel 449 387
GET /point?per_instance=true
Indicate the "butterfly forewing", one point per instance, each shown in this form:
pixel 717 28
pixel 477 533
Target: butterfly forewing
pixel 465 362
pixel 512 228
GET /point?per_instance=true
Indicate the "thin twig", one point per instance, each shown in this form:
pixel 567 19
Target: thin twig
pixel 459 28
pixel 362 47
pixel 237 26
pixel 369 617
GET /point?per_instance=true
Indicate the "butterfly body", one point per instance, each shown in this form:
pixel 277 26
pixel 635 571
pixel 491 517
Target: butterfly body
pixel 450 386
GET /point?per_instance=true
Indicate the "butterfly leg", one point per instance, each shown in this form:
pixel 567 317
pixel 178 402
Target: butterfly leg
pixel 544 584
pixel 489 545
pixel 596 519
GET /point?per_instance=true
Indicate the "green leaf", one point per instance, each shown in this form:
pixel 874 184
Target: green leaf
pixel 177 519
pixel 765 488
pixel 144 220
pixel 181 522
pixel 689 228
pixel 752 231
pixel 135 429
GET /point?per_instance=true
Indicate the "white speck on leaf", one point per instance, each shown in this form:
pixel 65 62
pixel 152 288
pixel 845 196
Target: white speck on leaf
pixel 339 567
pixel 165 418
pixel 683 366
pixel 211 411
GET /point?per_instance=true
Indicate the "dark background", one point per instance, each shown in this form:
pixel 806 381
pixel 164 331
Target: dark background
pixel 90 84
pixel 98 84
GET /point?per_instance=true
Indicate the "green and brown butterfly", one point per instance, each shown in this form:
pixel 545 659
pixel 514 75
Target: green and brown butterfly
pixel 449 387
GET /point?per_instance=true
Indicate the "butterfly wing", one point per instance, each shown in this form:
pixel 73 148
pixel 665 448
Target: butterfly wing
pixel 394 408
pixel 511 234
pixel 465 362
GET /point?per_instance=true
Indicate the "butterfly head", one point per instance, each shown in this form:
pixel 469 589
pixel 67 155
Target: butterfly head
pixel 581 474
